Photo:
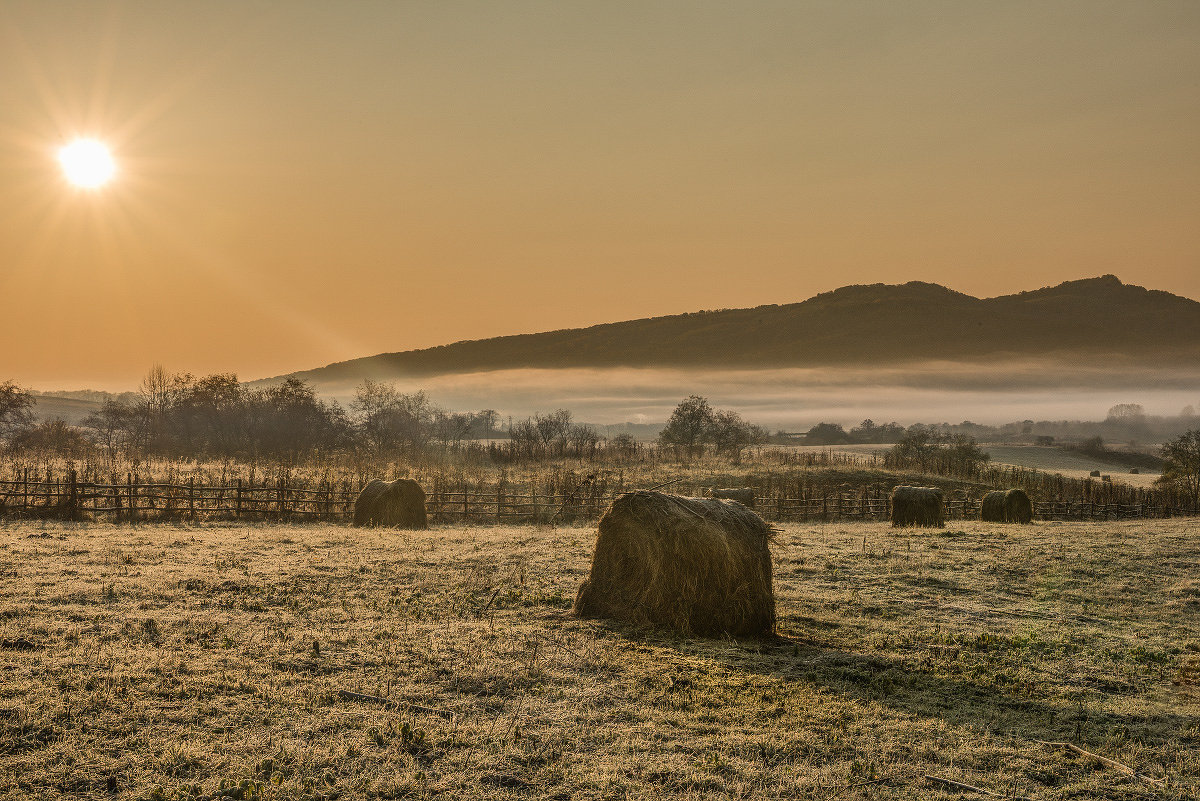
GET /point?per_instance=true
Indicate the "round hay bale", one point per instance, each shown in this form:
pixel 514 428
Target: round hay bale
pixel 697 565
pixel 1006 506
pixel 918 506
pixel 1094 474
pixel 743 495
pixel 399 503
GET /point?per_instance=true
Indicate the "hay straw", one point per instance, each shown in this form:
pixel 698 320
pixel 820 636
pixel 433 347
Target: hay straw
pixel 697 565
pixel 918 506
pixel 1006 506
pixel 399 503
pixel 743 495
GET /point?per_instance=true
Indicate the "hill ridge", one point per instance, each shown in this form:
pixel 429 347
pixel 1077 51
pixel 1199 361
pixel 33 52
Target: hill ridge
pixel 858 324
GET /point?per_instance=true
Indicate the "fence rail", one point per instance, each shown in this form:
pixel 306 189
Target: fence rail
pixel 134 501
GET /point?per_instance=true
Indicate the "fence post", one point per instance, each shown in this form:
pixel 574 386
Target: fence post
pixel 72 495
pixel 192 497
pixel 132 492
pixel 237 508
pixel 282 501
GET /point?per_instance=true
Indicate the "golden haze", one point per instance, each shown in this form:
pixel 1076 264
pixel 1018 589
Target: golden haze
pixel 307 182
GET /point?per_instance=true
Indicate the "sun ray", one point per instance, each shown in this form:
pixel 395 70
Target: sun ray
pixel 134 213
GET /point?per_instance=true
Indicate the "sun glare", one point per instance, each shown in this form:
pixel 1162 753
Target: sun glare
pixel 87 163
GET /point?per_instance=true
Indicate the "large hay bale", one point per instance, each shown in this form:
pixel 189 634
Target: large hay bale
pixel 1006 506
pixel 743 495
pixel 918 506
pixel 399 503
pixel 697 565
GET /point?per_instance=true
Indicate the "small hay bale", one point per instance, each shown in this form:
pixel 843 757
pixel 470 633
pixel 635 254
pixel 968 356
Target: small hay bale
pixel 399 503
pixel 1134 471
pixel 743 495
pixel 1094 474
pixel 698 565
pixel 1006 506
pixel 918 506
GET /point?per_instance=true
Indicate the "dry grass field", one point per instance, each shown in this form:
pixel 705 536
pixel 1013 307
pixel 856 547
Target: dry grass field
pixel 209 661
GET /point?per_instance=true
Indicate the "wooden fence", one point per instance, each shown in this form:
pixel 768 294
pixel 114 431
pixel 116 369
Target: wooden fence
pixel 133 500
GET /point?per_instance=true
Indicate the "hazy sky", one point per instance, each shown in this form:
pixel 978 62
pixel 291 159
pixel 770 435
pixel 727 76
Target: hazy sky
pixel 304 182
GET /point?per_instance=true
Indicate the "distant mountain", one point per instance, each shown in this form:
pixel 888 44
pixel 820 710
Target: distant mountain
pixel 855 325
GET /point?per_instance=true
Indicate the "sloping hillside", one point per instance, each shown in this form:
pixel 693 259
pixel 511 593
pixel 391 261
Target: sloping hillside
pixel 73 410
pixel 855 325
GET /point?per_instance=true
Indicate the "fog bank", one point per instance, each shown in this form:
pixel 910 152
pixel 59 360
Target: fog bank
pixel 796 399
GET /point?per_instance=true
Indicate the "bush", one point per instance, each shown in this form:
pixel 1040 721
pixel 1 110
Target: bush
pixel 53 438
pixel 1182 465
pixel 695 424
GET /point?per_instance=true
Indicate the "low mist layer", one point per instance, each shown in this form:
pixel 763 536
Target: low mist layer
pixel 796 398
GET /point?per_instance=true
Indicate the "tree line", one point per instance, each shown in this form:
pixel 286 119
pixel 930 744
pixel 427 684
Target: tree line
pixel 216 416
pixel 1124 423
pixel 219 417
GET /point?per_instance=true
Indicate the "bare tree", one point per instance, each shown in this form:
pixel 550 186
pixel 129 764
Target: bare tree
pixel 489 417
pixel 115 426
pixel 15 406
pixel 554 429
pixel 585 441
pixel 157 395
pixel 524 439
pixel 624 446
pixel 731 435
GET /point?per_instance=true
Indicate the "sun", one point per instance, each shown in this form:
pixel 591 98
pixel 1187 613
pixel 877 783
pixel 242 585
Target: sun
pixel 87 163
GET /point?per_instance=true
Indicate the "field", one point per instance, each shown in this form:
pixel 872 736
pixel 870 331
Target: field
pixel 179 661
pixel 1072 464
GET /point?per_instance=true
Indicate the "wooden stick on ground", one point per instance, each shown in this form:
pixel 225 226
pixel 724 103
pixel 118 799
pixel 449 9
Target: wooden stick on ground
pixel 973 788
pixel 376 699
pixel 1106 761
pixel 491 600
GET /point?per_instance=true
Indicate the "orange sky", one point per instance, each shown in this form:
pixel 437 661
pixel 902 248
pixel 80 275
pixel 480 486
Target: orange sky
pixel 302 182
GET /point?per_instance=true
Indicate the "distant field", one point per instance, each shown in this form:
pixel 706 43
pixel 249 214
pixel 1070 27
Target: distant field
pixel 173 661
pixel 70 409
pixel 860 450
pixel 1047 459
pixel 1069 463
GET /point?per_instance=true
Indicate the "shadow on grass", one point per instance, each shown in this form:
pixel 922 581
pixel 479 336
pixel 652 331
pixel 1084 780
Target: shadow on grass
pixel 918 687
